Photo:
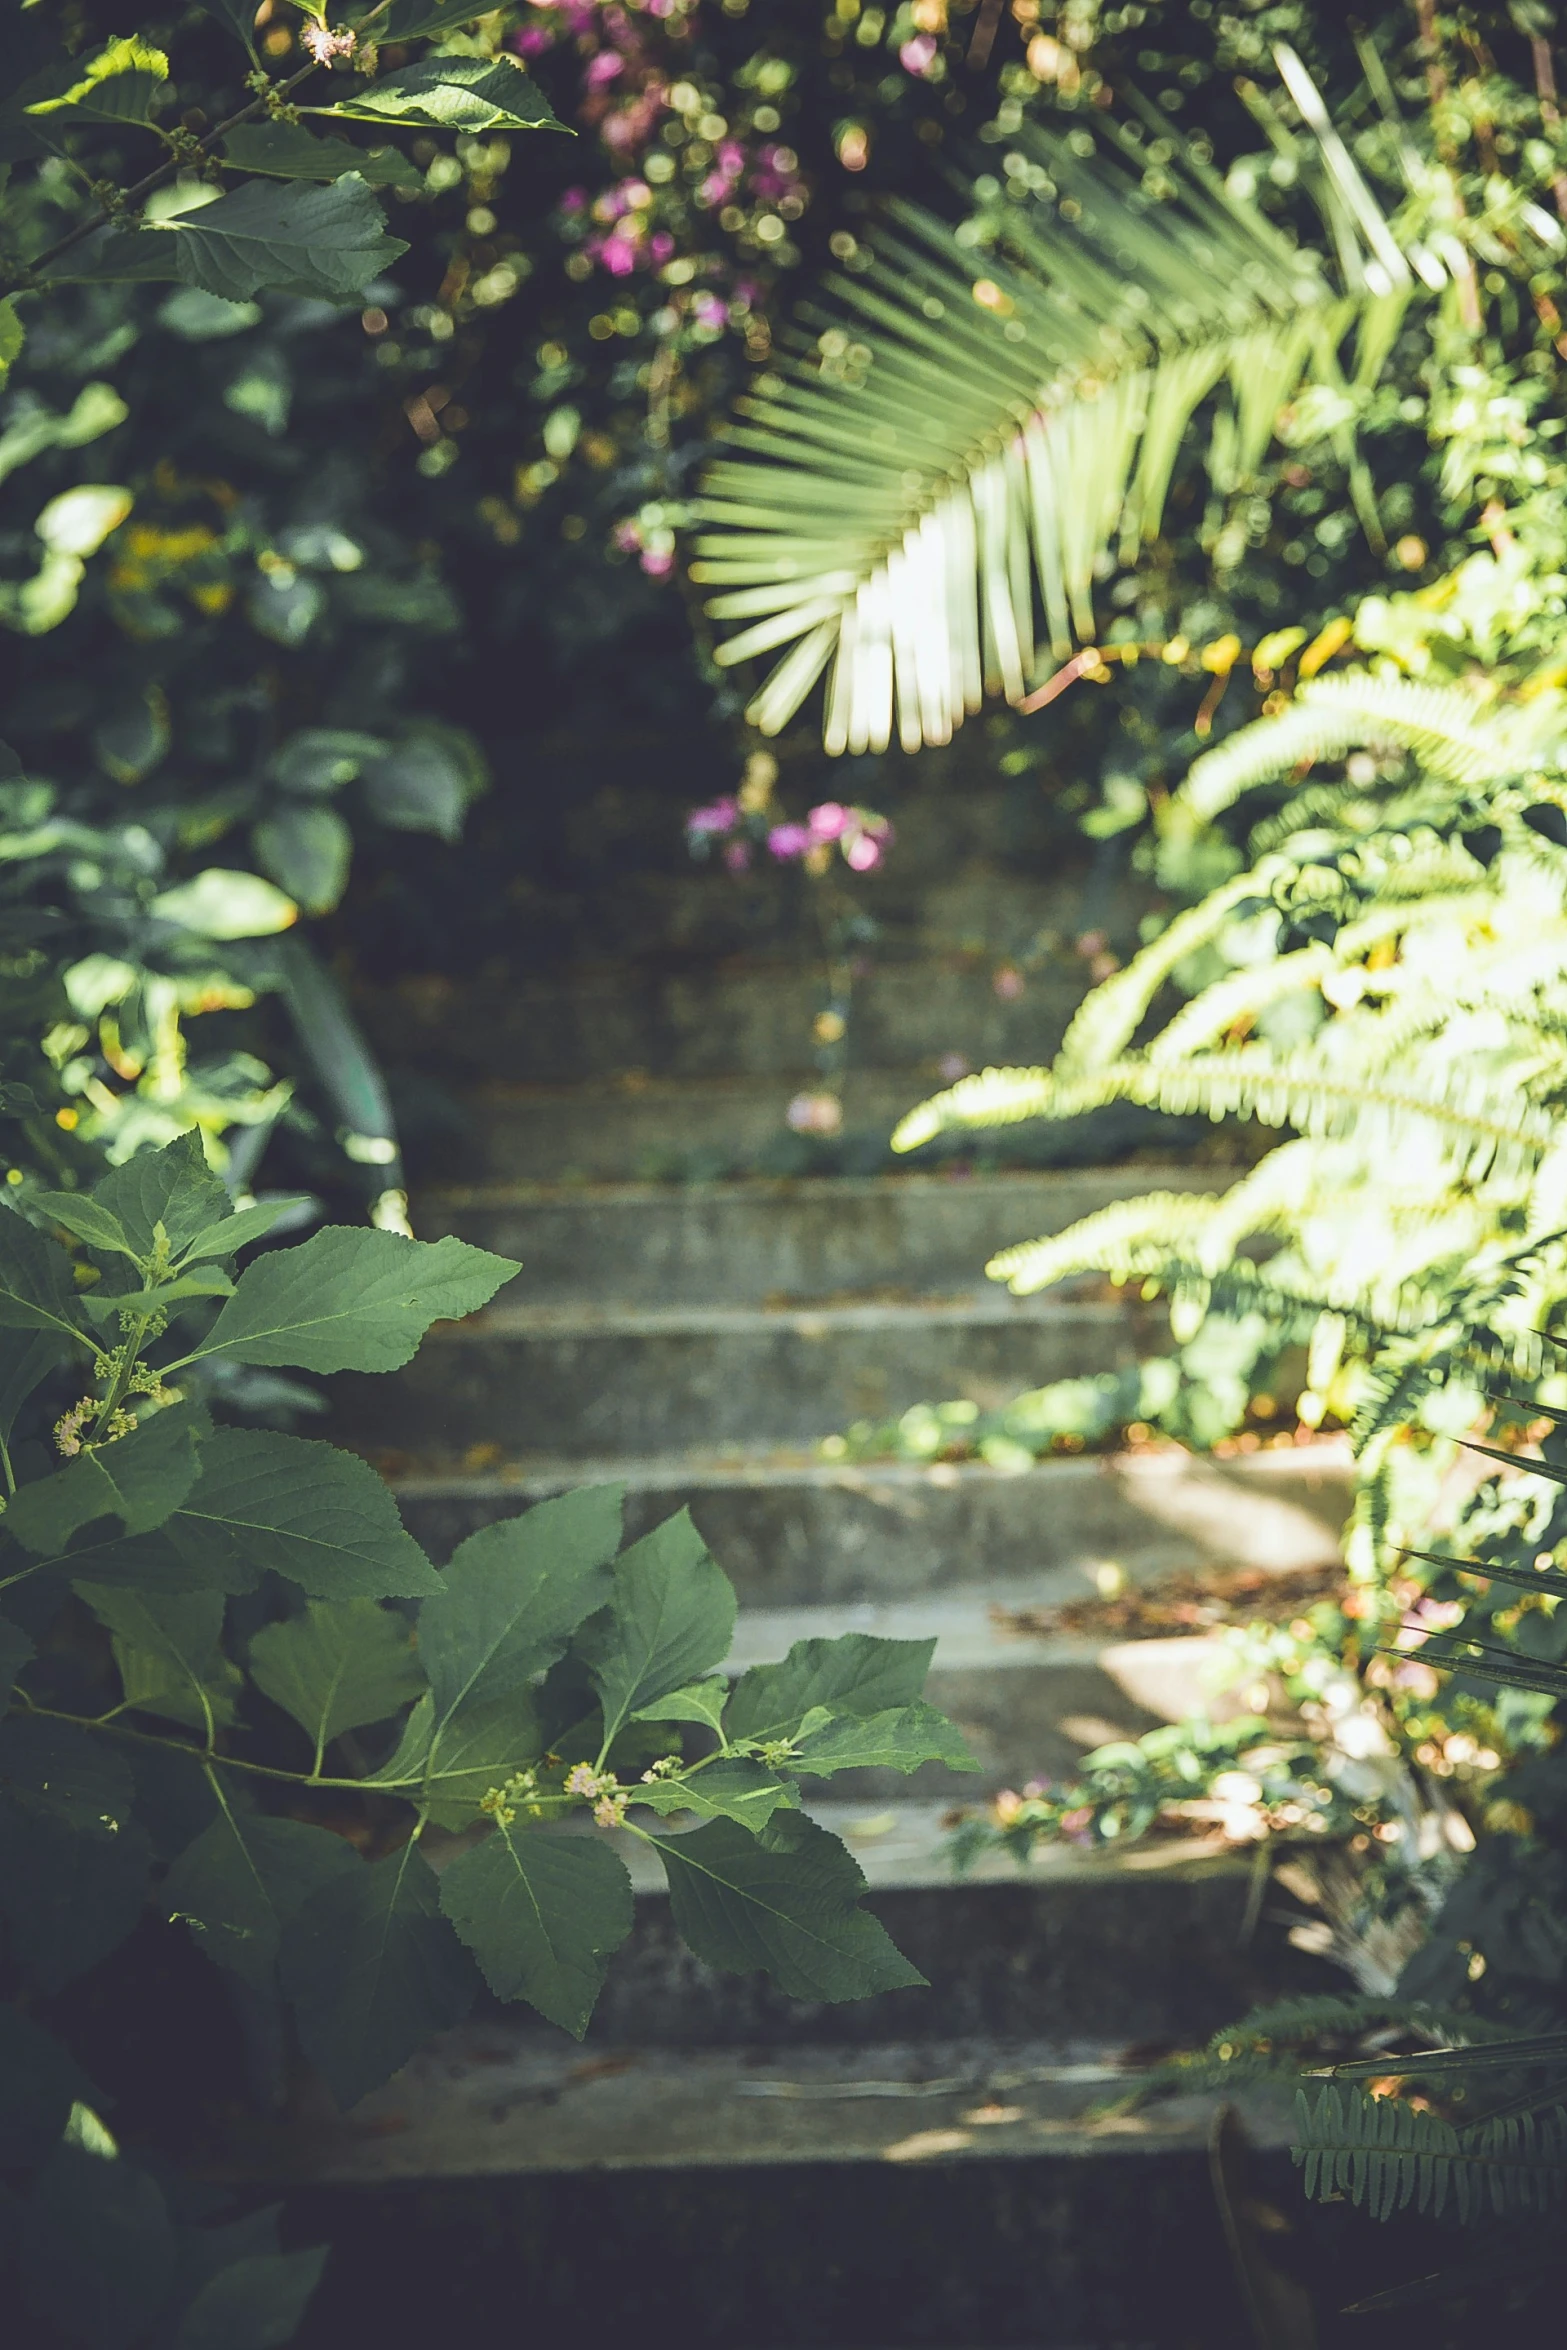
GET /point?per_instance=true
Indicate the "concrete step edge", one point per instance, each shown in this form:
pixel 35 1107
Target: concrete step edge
pixel 495 2098
pixel 748 1189
pixel 986 1308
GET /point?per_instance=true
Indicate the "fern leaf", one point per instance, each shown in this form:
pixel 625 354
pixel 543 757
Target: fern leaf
pixel 1387 2155
pixel 1454 736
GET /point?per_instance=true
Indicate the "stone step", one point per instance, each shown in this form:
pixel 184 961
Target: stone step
pixel 698 1129
pixel 809 1533
pixel 762 1243
pixel 742 1015
pixel 586 1380
pixel 765 2199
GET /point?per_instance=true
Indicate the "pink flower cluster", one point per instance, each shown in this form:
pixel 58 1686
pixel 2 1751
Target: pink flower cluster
pixel 861 837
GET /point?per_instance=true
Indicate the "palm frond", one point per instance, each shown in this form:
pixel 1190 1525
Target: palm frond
pixel 920 503
pixel 1387 2155
pixel 1509 2054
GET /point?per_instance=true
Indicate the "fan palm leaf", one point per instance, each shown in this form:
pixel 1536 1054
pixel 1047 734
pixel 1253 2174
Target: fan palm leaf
pixel 919 504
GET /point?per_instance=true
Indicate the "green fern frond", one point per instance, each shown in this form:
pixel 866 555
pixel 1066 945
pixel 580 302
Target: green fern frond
pixel 1453 735
pixel 1483 1127
pixel 1111 1014
pixel 1388 2155
pixel 1130 1238
pixel 929 495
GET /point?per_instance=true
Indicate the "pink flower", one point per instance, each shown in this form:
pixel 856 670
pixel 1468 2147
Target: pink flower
pixel 532 41
pixel 862 854
pixel 710 310
pixel 719 815
pixel 327 43
pixel 604 68
pixel 829 821
pixel 658 563
pixel 737 854
pixel 627 536
pixel 619 256
pixel 661 245
pixel 788 840
pixel 918 55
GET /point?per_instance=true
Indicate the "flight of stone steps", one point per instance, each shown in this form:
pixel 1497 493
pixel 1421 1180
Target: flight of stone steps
pixel 717 2163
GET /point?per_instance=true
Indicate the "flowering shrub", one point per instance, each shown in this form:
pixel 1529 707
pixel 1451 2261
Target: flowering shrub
pixel 860 836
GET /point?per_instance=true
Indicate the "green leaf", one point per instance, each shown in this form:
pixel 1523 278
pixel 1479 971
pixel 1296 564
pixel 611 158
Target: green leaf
pixel 321 759
pixel 25 1363
pixel 349 1299
pixel 39 2083
pixel 141 1479
pixel 542 1914
pixel 307 851
pixel 425 783
pixel 95 2252
pixel 239 19
pixel 898 1740
pixel 286 150
pixel 731 1789
pixel 698 1701
pixel 672 1617
pixel 173 1187
pixel 35 1281
pixel 242 1881
pixel 223 904
pixel 237 1231
pixel 166 1645
pixel 12 337
pixel 287 1505
pixel 337 1668
pixel 785 1902
pixel 167 1297
pixel 257 2303
pixel 455 93
pixel 513 1595
pixel 119 85
pixel 73 1863
pixel 412 20
pixel 481 1747
pixel 324 243
pixel 371 1969
pixel 88 1219
pixel 16 1652
pixel 857 1674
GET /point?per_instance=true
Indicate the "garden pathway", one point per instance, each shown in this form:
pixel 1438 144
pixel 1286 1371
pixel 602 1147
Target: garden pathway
pixel 717 2163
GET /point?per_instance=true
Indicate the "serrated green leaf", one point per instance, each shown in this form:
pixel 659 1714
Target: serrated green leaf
pixel 349 1299
pixel 898 1740
pixel 732 1789
pixel 286 150
pixel 514 1593
pixel 26 1361
pixel 166 1645
pixel 173 1187
pixel 698 1701
pixel 542 1914
pixel 35 1281
pixel 324 243
pixel 479 1748
pixel 88 1219
pixel 289 1505
pixel 454 93
pixel 16 1652
pixel 257 2303
pixel 141 1479
pixel 166 1298
pixel 242 1880
pixel 39 2083
pixel 73 1863
pixel 785 1902
pixel 337 1668
pixel 119 85
pixel 371 1969
pixel 237 1231
pixel 858 1674
pixel 672 1617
